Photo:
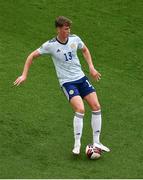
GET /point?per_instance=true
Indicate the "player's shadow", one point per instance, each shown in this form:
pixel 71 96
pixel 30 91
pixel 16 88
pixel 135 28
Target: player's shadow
pixel 83 157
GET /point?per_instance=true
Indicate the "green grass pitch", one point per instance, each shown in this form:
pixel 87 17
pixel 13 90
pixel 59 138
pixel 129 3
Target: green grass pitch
pixel 36 133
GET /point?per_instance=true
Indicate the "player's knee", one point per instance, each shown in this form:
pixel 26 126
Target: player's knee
pixel 80 110
pixel 96 107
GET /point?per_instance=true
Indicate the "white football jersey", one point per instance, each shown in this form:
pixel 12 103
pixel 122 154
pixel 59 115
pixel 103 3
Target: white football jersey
pixel 64 55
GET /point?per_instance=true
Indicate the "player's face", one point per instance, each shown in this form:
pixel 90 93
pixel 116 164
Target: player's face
pixel 64 31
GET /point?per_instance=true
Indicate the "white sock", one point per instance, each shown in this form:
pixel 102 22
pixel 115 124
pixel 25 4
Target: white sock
pixel 78 126
pixel 96 122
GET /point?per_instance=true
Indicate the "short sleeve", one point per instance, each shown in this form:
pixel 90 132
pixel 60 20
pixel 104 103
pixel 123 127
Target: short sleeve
pixel 45 48
pixel 80 43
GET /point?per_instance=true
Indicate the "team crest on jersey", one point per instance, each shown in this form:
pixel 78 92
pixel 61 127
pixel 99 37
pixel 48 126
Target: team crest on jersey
pixel 73 45
pixel 71 92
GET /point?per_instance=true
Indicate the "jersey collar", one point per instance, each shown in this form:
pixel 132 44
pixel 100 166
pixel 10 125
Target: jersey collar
pixel 62 42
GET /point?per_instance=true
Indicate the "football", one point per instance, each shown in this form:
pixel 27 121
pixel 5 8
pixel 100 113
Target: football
pixel 93 152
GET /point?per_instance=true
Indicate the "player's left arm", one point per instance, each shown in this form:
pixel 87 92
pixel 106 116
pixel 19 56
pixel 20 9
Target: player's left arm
pixel 94 73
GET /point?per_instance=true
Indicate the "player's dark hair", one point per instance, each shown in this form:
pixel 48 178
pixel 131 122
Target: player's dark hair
pixel 62 21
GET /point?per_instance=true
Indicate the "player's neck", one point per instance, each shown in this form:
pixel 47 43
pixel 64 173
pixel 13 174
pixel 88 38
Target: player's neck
pixel 62 39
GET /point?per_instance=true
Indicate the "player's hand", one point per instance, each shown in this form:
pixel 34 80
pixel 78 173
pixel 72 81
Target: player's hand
pixel 19 80
pixel 95 74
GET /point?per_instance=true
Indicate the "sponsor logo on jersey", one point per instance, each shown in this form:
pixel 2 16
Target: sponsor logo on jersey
pixel 58 50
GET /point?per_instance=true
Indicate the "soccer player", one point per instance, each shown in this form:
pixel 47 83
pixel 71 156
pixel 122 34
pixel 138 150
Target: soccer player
pixel 76 86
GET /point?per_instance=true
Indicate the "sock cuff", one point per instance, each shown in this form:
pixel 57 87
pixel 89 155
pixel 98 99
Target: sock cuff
pixel 79 115
pixel 96 112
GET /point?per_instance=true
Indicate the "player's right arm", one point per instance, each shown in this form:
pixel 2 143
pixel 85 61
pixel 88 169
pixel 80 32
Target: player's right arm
pixel 27 65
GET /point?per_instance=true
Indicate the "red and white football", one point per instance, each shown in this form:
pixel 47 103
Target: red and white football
pixel 93 152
